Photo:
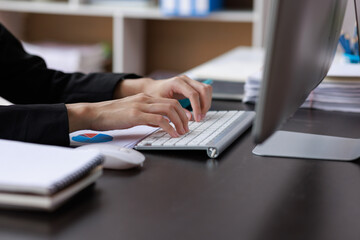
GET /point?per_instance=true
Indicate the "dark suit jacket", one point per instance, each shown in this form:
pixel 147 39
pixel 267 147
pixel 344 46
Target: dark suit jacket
pixel 40 94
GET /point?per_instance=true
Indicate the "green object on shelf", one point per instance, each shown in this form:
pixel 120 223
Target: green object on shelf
pixel 107 49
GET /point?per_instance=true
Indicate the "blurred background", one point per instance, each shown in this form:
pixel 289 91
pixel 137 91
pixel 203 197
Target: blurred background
pixel 142 36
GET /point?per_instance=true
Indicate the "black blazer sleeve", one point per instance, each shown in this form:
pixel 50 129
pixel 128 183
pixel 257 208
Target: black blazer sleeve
pixel 40 94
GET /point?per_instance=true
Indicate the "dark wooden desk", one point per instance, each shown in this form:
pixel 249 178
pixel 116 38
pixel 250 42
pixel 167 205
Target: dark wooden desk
pixel 185 195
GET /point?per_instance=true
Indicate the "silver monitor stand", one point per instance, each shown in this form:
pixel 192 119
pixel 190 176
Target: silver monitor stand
pixel 310 146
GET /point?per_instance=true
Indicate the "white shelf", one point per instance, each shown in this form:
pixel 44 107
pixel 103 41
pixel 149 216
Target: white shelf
pixel 64 8
pixel 220 16
pixel 56 8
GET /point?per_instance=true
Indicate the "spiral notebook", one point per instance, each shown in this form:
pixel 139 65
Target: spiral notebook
pixel 49 174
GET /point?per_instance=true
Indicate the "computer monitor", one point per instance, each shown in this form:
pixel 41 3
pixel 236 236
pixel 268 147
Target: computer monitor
pixel 301 44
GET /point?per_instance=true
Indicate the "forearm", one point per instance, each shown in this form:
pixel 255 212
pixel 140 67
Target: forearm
pixel 46 124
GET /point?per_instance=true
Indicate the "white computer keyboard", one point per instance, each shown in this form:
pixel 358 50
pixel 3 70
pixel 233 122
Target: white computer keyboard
pixel 218 130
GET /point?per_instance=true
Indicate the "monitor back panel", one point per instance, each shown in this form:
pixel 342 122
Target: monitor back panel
pixel 302 41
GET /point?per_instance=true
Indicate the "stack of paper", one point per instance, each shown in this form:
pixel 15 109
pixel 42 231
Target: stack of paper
pixel 339 91
pixel 252 87
pixel 70 58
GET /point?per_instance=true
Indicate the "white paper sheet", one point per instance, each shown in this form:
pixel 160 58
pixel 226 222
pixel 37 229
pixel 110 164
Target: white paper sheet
pixel 4 102
pixel 344 70
pixel 236 65
pixel 124 138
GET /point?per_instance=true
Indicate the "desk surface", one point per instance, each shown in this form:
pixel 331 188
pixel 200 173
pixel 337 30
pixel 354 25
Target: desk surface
pixel 184 195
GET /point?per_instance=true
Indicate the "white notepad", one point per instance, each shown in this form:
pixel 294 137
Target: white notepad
pixel 41 169
pixel 48 202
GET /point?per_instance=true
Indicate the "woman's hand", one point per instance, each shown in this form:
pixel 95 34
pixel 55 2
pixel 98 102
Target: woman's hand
pixel 179 87
pixel 140 109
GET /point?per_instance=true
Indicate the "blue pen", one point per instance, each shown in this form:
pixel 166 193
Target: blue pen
pixel 345 43
pixel 342 42
pixel 186 102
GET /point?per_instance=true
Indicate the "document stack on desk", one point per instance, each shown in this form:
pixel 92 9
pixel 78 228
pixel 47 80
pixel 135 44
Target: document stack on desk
pixel 43 177
pixel 339 91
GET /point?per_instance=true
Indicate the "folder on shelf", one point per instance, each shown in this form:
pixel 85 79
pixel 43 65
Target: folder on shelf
pixel 43 177
pixel 169 7
pixel 189 7
pixel 204 7
pixel 185 8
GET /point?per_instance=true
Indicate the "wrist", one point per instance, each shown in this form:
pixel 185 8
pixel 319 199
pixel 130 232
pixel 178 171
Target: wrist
pixel 129 87
pixel 79 116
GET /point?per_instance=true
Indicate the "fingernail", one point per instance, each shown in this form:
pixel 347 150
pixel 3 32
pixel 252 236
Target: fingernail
pixel 188 115
pixel 203 116
pixel 182 131
pixel 187 128
pixel 198 118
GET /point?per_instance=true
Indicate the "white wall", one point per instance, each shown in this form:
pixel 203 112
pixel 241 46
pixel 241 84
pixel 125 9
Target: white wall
pixel 349 21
